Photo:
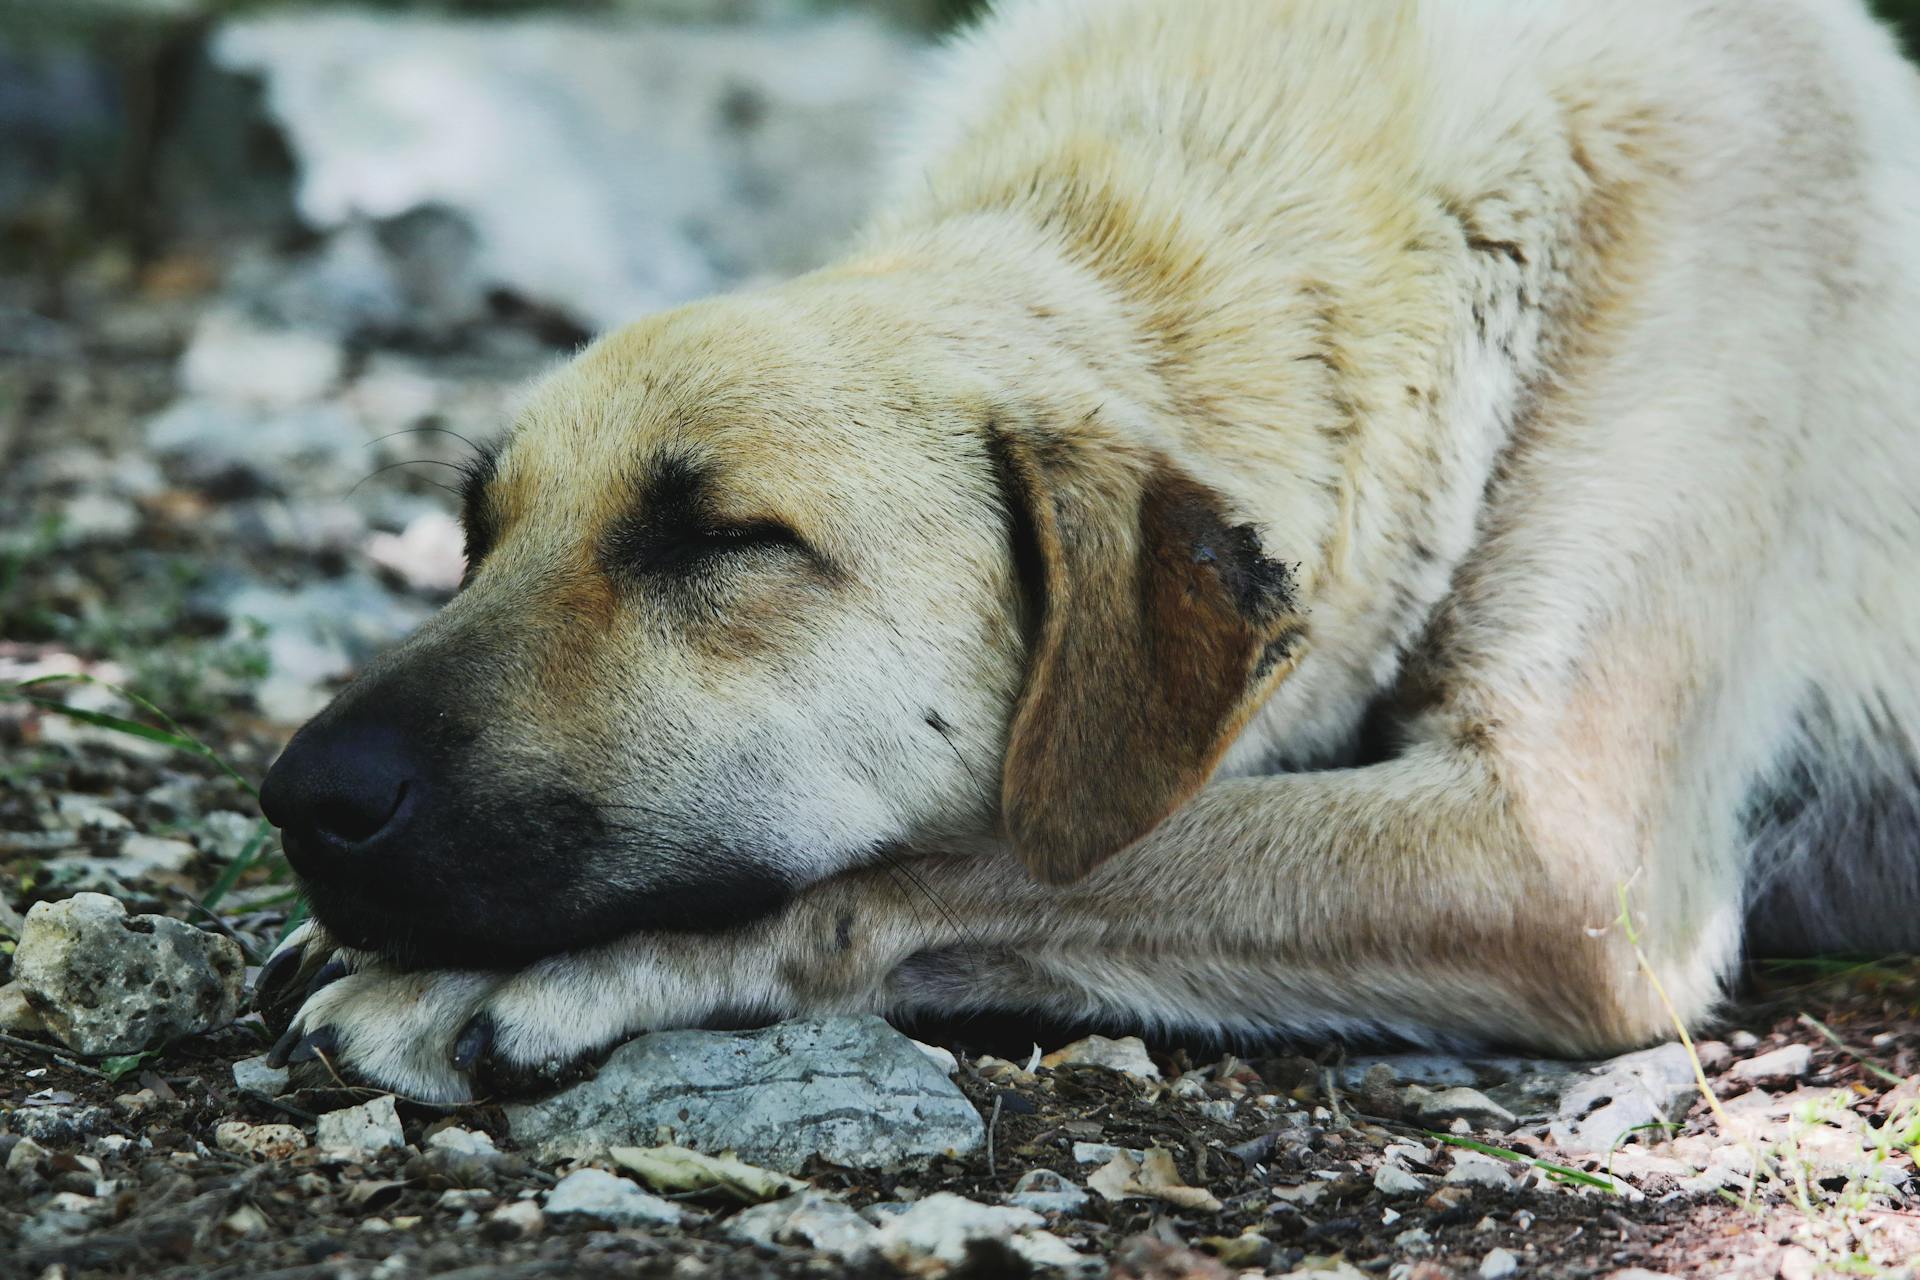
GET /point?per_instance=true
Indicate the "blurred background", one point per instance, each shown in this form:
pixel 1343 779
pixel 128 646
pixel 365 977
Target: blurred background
pixel 267 269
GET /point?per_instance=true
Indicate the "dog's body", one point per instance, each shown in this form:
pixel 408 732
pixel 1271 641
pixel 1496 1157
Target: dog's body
pixel 1350 492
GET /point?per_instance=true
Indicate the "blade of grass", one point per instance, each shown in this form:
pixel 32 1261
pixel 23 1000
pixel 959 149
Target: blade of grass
pixel 1861 1058
pixel 246 858
pixel 173 736
pixel 295 918
pixel 1559 1172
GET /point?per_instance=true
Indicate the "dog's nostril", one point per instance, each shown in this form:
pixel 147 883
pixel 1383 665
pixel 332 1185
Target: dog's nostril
pixel 356 819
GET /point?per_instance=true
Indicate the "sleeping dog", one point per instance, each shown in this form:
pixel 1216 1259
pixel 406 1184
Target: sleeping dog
pixel 1337 516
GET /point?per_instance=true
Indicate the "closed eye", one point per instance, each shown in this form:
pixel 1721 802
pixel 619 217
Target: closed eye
pixel 645 547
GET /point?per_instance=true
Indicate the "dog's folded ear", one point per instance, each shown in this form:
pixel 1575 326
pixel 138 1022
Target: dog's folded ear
pixel 1158 627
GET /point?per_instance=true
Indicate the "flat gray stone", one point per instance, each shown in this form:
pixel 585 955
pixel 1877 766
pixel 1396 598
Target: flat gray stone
pixel 110 983
pixel 851 1090
pixel 1439 1108
pixel 1616 1098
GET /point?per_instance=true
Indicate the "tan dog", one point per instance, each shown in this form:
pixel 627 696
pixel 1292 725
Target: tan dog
pixel 1294 510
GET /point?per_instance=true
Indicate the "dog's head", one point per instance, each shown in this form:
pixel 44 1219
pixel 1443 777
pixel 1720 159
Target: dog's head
pixel 758 591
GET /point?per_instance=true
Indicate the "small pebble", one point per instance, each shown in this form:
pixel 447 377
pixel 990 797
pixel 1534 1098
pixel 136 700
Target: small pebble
pixel 1498 1265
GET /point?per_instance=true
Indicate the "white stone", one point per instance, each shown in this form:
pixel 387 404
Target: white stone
pixel 1127 1054
pixel 110 983
pixel 1498 1265
pixel 1618 1098
pixel 1044 1191
pixel 1789 1063
pixel 232 357
pixel 1391 1180
pixel 522 1217
pixel 1101 1153
pixel 470 1142
pixel 363 1130
pixel 253 1075
pixel 145 855
pixel 77 812
pixel 941 1225
pixel 268 1141
pixel 812 1219
pixel 609 1198
pixel 1471 1168
pixel 941 1058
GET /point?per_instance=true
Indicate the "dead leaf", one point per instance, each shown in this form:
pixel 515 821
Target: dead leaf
pixel 670 1169
pixel 1153 1177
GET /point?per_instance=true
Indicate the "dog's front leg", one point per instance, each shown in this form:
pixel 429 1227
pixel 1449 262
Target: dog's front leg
pixel 1419 897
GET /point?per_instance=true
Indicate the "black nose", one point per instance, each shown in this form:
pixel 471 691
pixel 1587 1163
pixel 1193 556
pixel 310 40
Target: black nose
pixel 339 790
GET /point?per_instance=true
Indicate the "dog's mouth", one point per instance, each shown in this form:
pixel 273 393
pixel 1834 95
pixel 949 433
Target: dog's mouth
pixel 482 916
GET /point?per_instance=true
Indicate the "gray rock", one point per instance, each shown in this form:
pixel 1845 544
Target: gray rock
pixel 59 1124
pixel 1044 1191
pixel 253 1075
pixel 678 159
pixel 609 1198
pixel 1438 1109
pixel 811 1219
pixel 1600 1109
pixel 851 1090
pixel 362 1130
pixel 1779 1067
pixel 108 983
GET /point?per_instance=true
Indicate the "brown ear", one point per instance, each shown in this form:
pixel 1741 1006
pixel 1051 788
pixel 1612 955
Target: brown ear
pixel 1161 625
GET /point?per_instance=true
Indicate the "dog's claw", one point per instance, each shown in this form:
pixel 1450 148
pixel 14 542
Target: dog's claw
pixel 275 973
pixel 277 1056
pixel 330 972
pixel 473 1042
pixel 315 1046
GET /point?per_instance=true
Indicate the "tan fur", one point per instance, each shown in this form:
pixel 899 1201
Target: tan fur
pixel 1561 352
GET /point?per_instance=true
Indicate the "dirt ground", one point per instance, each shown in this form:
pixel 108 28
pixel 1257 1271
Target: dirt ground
pixel 145 1189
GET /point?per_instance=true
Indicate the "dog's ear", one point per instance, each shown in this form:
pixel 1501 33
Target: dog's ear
pixel 1159 625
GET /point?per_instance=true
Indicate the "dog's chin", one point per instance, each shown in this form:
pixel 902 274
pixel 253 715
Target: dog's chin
pixel 477 929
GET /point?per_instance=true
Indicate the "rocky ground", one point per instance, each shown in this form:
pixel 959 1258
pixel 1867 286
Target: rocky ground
pixel 222 462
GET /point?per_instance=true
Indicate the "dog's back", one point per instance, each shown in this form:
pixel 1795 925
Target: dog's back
pixel 1666 473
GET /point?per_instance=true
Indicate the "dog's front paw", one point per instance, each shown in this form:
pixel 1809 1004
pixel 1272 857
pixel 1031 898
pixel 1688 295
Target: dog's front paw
pixel 455 1035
